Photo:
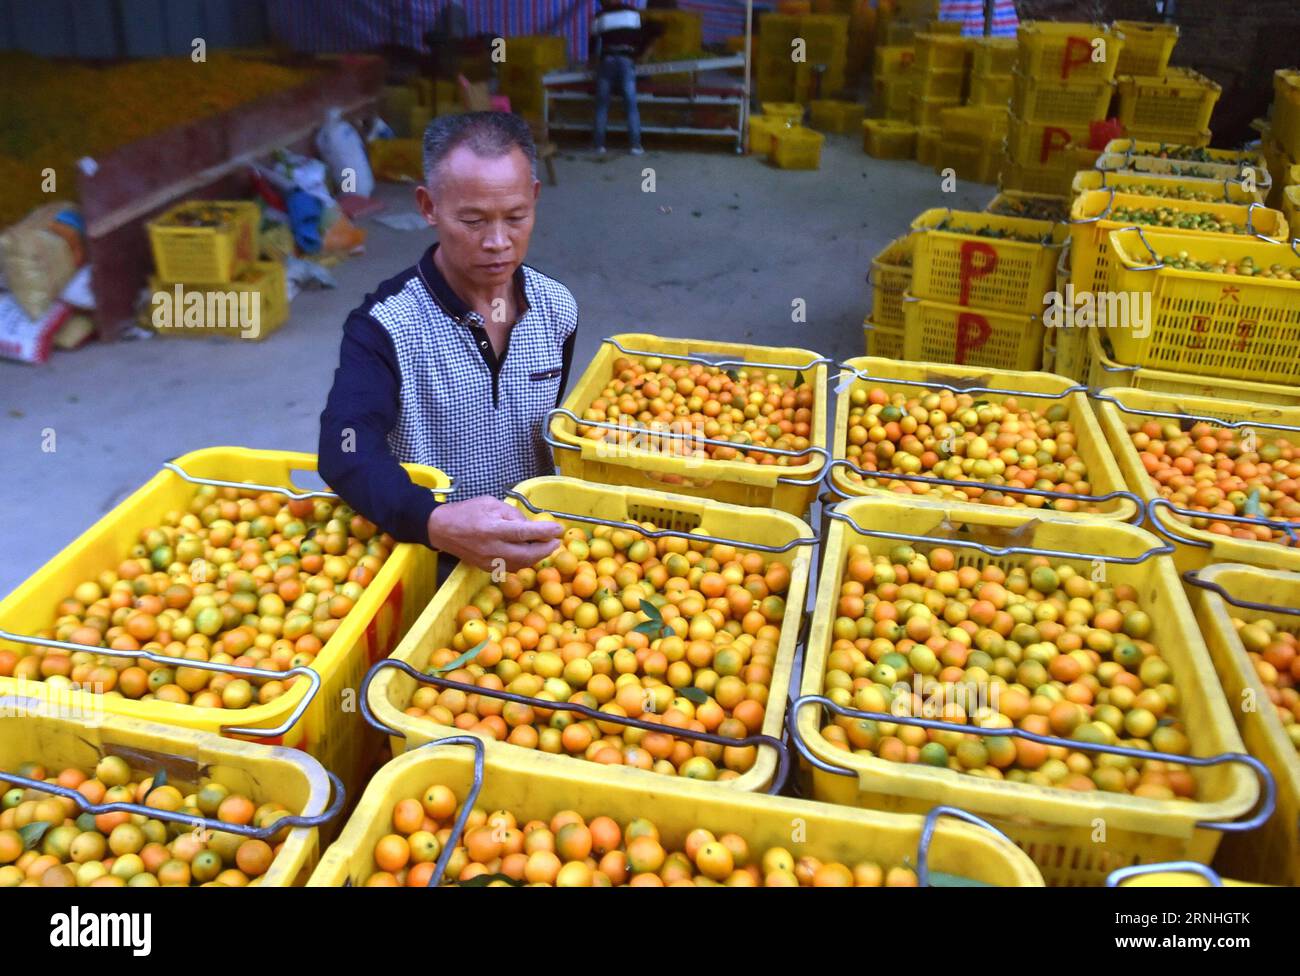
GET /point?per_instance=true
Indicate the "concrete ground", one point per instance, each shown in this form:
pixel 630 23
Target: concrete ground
pixel 721 249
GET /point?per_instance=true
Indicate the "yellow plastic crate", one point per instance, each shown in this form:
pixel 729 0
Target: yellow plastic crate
pixel 1147 47
pixel 1172 137
pixel 1067 102
pixel 885 341
pixel 216 253
pixel 1091 224
pixel 965 268
pixel 973 123
pixel 1031 206
pixel 891 61
pixel 1047 144
pixel 1174 875
pixel 1104 371
pixel 941 85
pixel 1037 390
pixel 397 160
pixel 335 736
pixel 576 503
pixel 974 164
pixel 1158 184
pixel 797 148
pixel 1045 180
pixel 547 784
pixel 762 130
pixel 928 111
pixel 1179 99
pixel 993 90
pixel 788 488
pixel 928 140
pixel 34 730
pixel 941 52
pixel 936 332
pixel 791 112
pixel 1215 324
pixel 890 278
pixel 994 55
pixel 1204 174
pixel 1134 146
pixel 1223 593
pixel 224 305
pixel 1064 51
pixel 544 51
pixel 1291 207
pixel 1197 547
pixel 893 98
pixel 1286 110
pixel 887 139
pixel 836 115
pixel 1055 827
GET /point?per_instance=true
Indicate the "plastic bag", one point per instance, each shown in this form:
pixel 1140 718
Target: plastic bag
pixel 40 254
pixel 344 152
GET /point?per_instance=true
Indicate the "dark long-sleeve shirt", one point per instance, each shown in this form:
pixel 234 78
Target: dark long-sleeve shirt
pixel 419 382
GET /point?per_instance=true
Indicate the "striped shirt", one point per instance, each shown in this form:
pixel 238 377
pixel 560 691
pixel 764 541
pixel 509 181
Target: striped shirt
pixel 419 382
pixel 971 14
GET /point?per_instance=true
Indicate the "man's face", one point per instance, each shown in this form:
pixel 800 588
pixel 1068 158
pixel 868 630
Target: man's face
pixel 483 210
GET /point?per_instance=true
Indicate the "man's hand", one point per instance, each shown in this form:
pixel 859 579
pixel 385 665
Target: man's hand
pixel 483 530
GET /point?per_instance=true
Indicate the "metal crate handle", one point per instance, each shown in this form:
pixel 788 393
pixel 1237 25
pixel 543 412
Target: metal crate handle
pixel 175 816
pixel 927 837
pixel 1117 877
pixel 783 755
pixel 721 362
pixel 312 678
pixel 1170 532
pixel 1193 578
pixel 862 374
pixel 659 533
pixel 1264 808
pixel 290 493
pixel 998 551
pixel 1105 212
pixel 651 432
pixel 987 486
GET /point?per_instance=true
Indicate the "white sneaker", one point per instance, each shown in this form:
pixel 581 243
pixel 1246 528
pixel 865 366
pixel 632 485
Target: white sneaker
pixel 637 151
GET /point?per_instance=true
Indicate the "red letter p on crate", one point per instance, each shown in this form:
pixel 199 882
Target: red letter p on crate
pixel 970 268
pixel 973 331
pixel 1078 51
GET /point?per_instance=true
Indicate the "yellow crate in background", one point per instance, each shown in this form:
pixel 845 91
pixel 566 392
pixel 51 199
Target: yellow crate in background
pixel 1172 137
pixel 941 52
pixel 1286 110
pixel 1056 827
pixel 974 123
pixel 1209 323
pixel 397 160
pixel 890 278
pixel 735 482
pixel 39 731
pixel 972 163
pixel 1092 220
pixel 1052 51
pixel 390 693
pixel 991 90
pixel 1046 144
pixel 1206 175
pixel 1052 100
pixel 941 84
pixel 936 332
pixel 959 260
pixel 336 737
pixel 762 130
pixel 791 112
pixel 908 378
pixel 892 98
pixel 1270 855
pixel 993 55
pixel 1164 186
pixel 892 61
pixel 1031 206
pixel 205 240
pixel 882 340
pixel 928 139
pixel 836 115
pixel 259 290
pixel 1104 371
pixel 797 148
pixel 1147 47
pixel 547 52
pixel 1291 207
pixel 887 139
pixel 1047 180
pixel 928 111
pixel 1065 345
pixel 546 785
pixel 1134 146
pixel 1198 547
pixel 1182 99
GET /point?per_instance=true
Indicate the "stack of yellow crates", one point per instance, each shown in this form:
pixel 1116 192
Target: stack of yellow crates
pixel 893 82
pixel 940 70
pixel 899 21
pixel 1064 82
pixel 682 39
pixel 970 142
pixel 1174 107
pixel 992 70
pixel 775 67
pixel 528 58
pixel 801 57
pixel 1281 145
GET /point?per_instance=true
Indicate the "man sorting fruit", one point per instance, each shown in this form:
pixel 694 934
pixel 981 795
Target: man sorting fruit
pixel 456 361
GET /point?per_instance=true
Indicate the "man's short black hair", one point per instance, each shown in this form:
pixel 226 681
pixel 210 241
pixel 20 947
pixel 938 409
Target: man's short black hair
pixel 488 134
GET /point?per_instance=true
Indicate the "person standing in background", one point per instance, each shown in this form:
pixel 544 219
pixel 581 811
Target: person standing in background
pixel 618 38
pixel 971 15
